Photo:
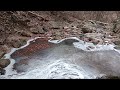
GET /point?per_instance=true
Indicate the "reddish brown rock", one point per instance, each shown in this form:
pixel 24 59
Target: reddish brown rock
pixel 36 45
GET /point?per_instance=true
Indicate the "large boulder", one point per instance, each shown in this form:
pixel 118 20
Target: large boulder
pixel 4 63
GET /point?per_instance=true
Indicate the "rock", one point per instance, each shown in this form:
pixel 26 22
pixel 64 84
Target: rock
pixel 26 34
pixel 86 30
pixel 2 41
pixel 52 28
pixel 117 42
pixel 80 25
pixel 95 41
pixel 87 48
pixel 18 43
pixel 90 39
pixel 45 29
pixel 2 71
pixel 116 26
pixel 4 63
pixel 65 27
pixel 91 47
pixel 81 36
pixel 2 53
pixel 117 47
pixel 3 50
pixel 38 30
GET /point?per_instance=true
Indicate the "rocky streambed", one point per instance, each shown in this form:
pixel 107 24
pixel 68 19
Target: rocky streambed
pixel 69 58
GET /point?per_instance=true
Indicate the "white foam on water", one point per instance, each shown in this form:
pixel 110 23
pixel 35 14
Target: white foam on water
pixel 56 69
pixel 85 46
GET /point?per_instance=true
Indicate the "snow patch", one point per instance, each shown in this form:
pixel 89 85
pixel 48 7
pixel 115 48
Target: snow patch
pixel 59 41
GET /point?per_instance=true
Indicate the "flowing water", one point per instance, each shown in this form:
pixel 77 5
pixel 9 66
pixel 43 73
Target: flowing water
pixel 62 60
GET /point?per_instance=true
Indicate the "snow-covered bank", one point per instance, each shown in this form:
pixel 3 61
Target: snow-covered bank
pixel 52 68
pixel 84 45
